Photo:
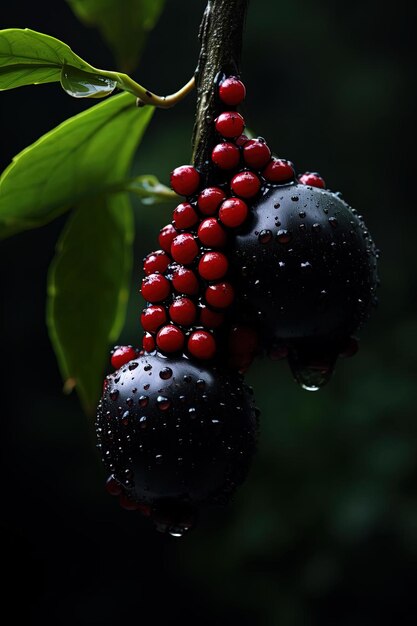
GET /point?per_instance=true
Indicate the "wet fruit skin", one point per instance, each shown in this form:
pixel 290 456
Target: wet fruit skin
pixel 306 266
pixel 172 428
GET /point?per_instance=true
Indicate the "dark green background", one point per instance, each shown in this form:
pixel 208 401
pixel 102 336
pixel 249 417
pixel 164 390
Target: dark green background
pixel 324 532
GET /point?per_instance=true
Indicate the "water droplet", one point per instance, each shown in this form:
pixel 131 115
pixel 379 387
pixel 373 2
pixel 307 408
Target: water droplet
pixel 143 401
pixel 265 236
pixel 187 378
pixel 283 236
pixel 311 372
pixel 302 214
pixel 163 403
pixel 147 367
pixel 333 222
pixel 306 265
pixel 146 387
pixel 277 205
pixel 143 422
pixel 316 227
pixel 201 384
pixel 133 365
pixel 129 402
pixel 302 226
pixel 165 373
pixel 192 413
pixel 114 394
pixel 158 459
pixel 294 198
pixel 81 84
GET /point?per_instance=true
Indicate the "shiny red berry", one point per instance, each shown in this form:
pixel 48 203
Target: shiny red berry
pixel 256 153
pixel 153 317
pixel 232 91
pixel 210 199
pixel 185 180
pixel 170 339
pixel 245 184
pixel 148 343
pixel 157 261
pixel 230 124
pixel 213 266
pixel 241 140
pixel 184 248
pixel 167 235
pixel 211 233
pixel 210 318
pixel 201 345
pixel 226 155
pixel 155 288
pixel 185 216
pixel 183 311
pixel 312 179
pixel 220 296
pixel 122 355
pixel 233 212
pixel 185 281
pixel 279 171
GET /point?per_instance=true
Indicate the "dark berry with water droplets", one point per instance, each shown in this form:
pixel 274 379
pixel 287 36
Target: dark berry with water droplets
pixel 190 445
pixel 307 288
pixel 185 180
pixel 121 355
pixel 230 124
pixel 245 184
pixel 233 212
pixel 210 199
pixel 232 91
pixel 226 155
pixel 157 261
pixel 313 179
pixel 211 233
pixel 256 153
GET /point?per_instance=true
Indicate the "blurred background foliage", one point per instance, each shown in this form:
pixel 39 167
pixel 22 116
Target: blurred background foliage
pixel 324 532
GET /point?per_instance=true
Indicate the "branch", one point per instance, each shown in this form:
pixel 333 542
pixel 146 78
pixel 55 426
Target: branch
pixel 221 43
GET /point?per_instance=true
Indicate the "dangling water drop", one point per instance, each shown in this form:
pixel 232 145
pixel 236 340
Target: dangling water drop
pixel 311 370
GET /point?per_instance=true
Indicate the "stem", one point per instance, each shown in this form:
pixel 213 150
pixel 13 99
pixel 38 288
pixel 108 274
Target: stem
pixel 220 34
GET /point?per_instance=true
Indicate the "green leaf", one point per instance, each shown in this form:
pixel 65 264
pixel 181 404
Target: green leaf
pixel 123 24
pixel 150 190
pixel 88 288
pixel 88 154
pixel 80 84
pixel 29 58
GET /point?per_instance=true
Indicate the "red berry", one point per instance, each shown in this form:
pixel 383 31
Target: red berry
pixel 202 345
pixel 153 317
pixel 122 355
pixel 233 212
pixel 184 248
pixel 183 311
pixel 167 235
pixel 279 171
pixel 148 343
pixel 226 155
pixel 157 261
pixel 185 180
pixel 185 281
pixel 243 340
pixel 232 91
pixel 213 265
pixel 313 179
pixel 170 339
pixel 185 216
pixel 240 141
pixel 256 153
pixel 113 487
pixel 210 199
pixel 155 288
pixel 211 233
pixel 230 124
pixel 220 296
pixel 245 184
pixel 210 318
